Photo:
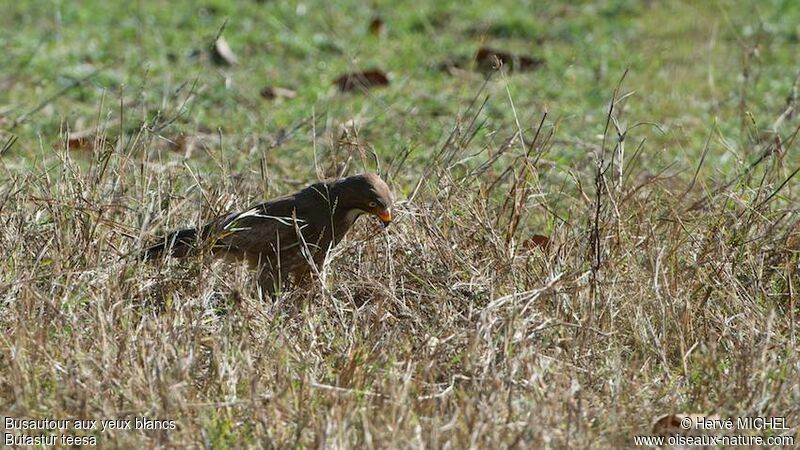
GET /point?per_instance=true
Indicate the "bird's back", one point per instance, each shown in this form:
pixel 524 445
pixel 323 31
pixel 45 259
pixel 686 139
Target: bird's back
pixel 285 233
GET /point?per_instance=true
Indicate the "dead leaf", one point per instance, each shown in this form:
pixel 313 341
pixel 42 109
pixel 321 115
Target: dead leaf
pixel 183 144
pixel 675 424
pixel 489 59
pixel 273 92
pixel 83 140
pixel 178 144
pixel 537 241
pixel 376 26
pixel 668 425
pixel 222 54
pixel 361 80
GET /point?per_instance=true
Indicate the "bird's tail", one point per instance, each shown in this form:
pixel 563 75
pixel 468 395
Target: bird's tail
pixel 179 243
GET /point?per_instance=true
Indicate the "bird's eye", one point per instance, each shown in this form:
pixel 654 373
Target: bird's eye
pixel 372 204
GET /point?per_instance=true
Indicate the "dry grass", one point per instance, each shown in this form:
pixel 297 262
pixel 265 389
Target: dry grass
pixel 657 293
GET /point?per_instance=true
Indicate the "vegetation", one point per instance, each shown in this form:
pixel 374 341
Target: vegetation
pixel 579 249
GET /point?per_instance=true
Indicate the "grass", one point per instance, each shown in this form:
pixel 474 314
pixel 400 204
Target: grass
pixel 668 283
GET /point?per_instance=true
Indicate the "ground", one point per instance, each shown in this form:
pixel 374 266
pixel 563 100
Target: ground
pixel 579 249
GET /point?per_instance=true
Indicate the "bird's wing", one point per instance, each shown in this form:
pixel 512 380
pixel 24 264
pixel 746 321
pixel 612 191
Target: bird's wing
pixel 269 228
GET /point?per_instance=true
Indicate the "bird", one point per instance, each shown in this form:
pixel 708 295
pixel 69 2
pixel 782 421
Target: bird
pixel 287 236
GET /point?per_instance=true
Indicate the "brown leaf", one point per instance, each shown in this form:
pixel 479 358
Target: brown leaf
pixel 222 54
pixel 489 59
pixel 82 140
pixel 183 144
pixel 376 26
pixel 537 241
pixel 273 92
pixel 179 143
pixel 668 425
pixel 361 80
pixel 675 425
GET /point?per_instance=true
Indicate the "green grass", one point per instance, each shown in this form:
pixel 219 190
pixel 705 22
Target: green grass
pixel 676 294
pixel 685 69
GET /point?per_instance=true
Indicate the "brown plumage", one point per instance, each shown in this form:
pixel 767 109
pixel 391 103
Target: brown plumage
pixel 285 236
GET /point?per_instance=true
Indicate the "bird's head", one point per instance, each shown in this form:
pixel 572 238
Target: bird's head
pixel 365 193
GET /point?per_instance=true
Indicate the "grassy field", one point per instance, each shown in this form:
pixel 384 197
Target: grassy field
pixel 579 249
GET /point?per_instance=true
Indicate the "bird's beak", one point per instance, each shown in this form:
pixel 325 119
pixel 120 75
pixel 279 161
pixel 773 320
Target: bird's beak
pixel 385 216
